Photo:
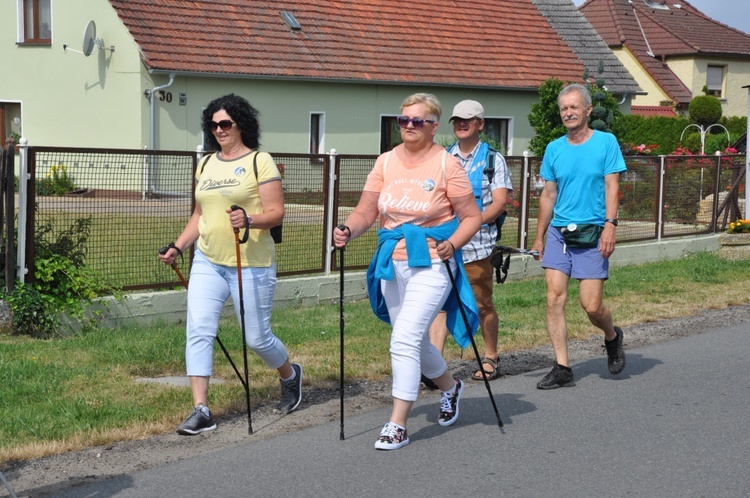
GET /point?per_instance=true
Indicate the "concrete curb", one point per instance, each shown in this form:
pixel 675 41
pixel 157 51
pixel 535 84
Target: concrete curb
pixel 170 306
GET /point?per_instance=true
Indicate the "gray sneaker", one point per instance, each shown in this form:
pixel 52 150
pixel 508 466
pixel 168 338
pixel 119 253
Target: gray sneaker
pixel 291 391
pixel 559 376
pixel 197 422
pixel 615 353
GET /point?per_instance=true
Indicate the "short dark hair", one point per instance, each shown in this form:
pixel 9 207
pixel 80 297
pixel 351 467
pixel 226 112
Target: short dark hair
pixel 241 112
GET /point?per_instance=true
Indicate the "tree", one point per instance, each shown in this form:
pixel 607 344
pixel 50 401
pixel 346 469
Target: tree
pixel 545 117
pixel 605 109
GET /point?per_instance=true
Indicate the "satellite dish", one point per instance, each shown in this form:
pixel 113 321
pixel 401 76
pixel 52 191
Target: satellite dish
pixel 89 38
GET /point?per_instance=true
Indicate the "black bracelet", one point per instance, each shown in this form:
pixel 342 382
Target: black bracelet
pixel 454 247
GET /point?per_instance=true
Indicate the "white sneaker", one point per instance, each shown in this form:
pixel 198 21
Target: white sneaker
pixel 449 405
pixel 392 437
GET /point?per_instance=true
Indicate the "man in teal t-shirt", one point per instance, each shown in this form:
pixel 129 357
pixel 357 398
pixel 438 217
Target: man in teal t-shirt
pixel 582 173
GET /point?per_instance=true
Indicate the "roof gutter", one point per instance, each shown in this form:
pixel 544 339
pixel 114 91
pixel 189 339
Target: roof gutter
pixel 148 168
pixel 151 94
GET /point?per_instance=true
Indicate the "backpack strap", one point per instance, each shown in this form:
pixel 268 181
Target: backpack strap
pixel 203 163
pixel 490 169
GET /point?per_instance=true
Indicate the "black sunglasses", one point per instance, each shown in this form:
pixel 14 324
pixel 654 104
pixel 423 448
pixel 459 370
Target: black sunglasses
pixel 224 124
pixel 403 122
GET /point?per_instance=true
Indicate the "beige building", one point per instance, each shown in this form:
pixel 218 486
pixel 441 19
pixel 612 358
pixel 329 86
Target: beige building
pixel 674 51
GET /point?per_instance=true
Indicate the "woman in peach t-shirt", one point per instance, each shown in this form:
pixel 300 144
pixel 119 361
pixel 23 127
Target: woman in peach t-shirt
pixel 416 190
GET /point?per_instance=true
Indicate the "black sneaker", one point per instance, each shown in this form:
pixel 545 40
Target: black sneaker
pixel 197 422
pixel 449 405
pixel 615 353
pixel 291 391
pixel 428 383
pixel 560 376
pixel 392 437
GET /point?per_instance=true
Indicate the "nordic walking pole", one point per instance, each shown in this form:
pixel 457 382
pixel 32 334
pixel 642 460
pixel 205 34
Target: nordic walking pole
pixel 473 343
pixel 242 321
pixel 8 486
pixel 341 334
pixel 176 269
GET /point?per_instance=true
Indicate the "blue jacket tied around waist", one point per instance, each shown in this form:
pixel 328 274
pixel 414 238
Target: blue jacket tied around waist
pixel 418 253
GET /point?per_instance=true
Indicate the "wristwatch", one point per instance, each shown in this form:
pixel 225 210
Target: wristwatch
pixel 249 222
pixel 610 220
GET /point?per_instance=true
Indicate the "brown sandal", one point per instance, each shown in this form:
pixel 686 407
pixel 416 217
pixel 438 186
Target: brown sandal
pixel 494 374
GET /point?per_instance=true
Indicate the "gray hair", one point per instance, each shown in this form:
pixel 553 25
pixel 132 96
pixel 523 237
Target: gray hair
pixel 428 99
pixel 576 87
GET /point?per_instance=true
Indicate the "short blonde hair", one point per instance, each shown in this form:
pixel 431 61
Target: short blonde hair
pixel 432 103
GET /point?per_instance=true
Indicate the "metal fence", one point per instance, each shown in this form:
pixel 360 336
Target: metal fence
pixel 136 201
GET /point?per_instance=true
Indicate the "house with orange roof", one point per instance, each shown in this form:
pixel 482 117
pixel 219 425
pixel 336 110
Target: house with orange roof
pixel 324 74
pixel 673 50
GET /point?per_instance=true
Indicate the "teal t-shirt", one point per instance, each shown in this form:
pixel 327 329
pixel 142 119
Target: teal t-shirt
pixel 579 172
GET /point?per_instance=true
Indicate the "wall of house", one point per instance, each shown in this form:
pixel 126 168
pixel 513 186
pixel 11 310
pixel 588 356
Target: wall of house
pixel 66 98
pixel 693 72
pixel 654 93
pixel 352 111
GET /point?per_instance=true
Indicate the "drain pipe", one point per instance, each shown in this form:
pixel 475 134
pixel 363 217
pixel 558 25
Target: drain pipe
pixel 151 94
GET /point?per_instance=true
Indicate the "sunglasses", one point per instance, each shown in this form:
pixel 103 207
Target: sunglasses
pixel 224 124
pixel 403 122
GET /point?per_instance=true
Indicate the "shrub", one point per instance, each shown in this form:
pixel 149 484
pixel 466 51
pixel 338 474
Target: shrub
pixel 62 283
pixel 662 131
pixel 705 110
pixel 736 125
pixel 56 182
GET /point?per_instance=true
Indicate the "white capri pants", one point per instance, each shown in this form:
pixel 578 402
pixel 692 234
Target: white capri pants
pixel 210 287
pixel 414 297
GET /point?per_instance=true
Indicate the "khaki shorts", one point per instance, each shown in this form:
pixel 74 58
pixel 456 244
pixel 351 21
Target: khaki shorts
pixel 480 274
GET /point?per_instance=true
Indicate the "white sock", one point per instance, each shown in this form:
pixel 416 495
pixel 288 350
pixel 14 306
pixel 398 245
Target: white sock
pixel 293 376
pixel 204 409
pixel 451 390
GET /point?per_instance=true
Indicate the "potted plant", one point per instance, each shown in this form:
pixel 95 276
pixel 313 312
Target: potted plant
pixel 735 243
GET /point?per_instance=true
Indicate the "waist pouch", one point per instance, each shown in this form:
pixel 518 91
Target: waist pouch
pixel 581 236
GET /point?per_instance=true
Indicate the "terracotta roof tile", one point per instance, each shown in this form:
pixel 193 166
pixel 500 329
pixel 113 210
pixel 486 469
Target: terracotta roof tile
pixel 657 110
pixel 494 43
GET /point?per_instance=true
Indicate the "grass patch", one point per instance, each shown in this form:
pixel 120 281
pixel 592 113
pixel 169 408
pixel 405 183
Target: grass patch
pixel 69 393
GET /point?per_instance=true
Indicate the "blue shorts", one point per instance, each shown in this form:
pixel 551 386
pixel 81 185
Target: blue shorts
pixel 582 264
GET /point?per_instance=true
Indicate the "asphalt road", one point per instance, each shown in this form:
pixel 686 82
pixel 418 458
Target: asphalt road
pixel 674 423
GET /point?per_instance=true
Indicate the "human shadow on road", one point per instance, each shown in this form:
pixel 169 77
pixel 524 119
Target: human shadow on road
pixel 474 411
pixel 115 484
pixel 637 364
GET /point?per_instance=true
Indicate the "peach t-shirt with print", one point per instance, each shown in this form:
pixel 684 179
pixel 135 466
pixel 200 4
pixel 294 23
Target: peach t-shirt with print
pixel 416 193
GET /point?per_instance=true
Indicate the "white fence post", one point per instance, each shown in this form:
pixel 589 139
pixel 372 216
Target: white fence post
pixel 660 212
pixel 329 209
pixel 525 175
pixel 23 195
